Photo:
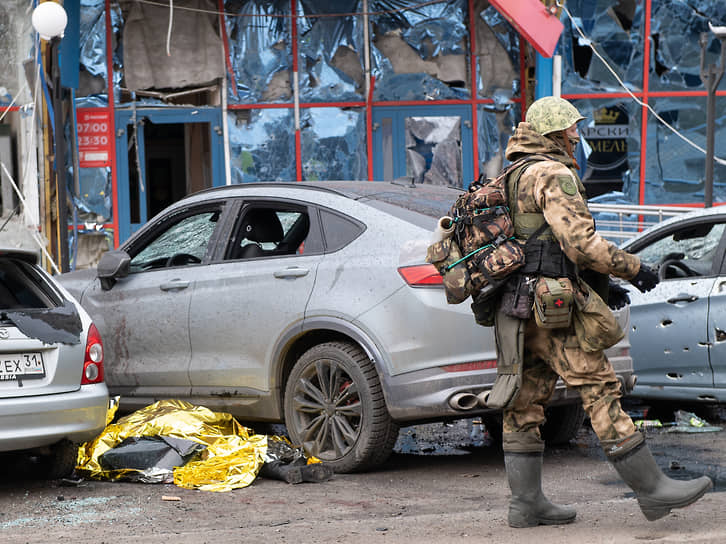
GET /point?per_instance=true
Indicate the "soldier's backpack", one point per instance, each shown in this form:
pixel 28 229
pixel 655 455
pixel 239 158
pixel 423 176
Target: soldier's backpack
pixel 478 250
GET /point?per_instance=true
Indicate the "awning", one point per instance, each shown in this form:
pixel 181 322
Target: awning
pixel 534 21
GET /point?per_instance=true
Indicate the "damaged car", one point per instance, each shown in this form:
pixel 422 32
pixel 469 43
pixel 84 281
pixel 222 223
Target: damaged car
pixel 52 391
pixel 304 303
pixel 678 330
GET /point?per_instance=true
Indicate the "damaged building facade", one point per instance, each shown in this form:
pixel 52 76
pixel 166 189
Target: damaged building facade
pixel 164 99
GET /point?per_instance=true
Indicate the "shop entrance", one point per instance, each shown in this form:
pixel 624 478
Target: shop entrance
pixel 163 156
pixel 423 144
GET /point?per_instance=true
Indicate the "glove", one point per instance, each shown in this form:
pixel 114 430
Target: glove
pixel 617 296
pixel 645 279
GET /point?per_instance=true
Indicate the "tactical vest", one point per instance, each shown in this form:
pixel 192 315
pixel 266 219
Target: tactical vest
pixel 543 254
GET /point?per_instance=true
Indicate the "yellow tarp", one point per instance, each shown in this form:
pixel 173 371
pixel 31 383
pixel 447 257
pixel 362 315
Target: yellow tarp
pixel 232 458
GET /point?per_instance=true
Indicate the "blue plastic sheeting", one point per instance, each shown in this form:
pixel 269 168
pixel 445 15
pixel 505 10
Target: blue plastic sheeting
pixel 675 171
pixel 676 26
pixel 430 31
pixel 331 52
pixel 618 36
pixel 334 144
pixel 260 50
pixel 93 204
pixel 263 147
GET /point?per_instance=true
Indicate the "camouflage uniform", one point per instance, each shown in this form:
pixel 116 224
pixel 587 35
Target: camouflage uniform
pixel 553 189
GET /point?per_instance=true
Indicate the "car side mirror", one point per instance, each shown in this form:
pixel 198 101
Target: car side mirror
pixel 113 265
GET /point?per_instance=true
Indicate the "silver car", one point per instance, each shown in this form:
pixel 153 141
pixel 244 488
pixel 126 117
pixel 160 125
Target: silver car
pixel 52 392
pixel 303 303
pixel 678 329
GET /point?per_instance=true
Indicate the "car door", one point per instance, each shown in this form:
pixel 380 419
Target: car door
pixel 671 330
pixel 717 330
pixel 254 295
pixel 145 315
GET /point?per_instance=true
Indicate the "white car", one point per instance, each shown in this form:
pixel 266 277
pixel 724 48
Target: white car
pixel 306 303
pixel 52 390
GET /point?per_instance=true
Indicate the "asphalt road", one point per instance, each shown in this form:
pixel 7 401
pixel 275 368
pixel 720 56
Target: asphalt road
pixel 446 483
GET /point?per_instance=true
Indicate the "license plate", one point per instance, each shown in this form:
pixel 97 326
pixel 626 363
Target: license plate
pixel 21 366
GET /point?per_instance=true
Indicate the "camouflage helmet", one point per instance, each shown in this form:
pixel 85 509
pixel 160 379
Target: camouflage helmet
pixel 552 113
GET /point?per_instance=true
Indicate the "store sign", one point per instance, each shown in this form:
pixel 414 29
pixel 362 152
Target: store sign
pixel 94 137
pixel 608 138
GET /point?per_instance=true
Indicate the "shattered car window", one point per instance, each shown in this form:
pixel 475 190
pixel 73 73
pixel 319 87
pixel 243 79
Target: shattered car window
pixel 22 288
pixel 189 236
pixel 696 247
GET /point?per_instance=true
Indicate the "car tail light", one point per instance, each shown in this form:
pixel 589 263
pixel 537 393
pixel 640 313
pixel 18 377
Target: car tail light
pixel 421 275
pixel 93 362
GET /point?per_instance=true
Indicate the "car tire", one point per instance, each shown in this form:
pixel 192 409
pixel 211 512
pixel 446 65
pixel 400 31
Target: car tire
pixel 62 460
pixel 562 423
pixel 334 408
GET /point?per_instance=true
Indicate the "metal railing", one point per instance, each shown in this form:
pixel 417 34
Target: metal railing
pixel 618 222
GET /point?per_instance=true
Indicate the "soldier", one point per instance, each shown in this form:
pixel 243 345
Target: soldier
pixel 549 191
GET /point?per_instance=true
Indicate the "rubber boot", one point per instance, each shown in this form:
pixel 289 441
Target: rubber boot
pixel 657 493
pixel 295 473
pixel 528 506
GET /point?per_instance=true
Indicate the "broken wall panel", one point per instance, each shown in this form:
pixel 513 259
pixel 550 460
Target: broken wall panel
pixel 497 52
pixel 434 150
pixel 333 144
pixel 675 171
pixel 260 50
pixel 189 56
pixel 419 53
pixel 331 51
pixel 92 70
pixel 609 150
pixel 262 145
pixel 616 27
pixel 16 44
pixel 676 27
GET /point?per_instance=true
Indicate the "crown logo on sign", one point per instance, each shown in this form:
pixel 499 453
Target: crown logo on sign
pixel 604 116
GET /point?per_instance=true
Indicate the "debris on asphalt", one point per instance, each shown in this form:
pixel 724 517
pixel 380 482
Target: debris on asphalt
pixel 687 422
pixel 193 447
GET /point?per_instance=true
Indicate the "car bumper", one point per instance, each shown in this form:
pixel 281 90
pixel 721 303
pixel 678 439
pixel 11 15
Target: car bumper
pixel 430 394
pixel 32 422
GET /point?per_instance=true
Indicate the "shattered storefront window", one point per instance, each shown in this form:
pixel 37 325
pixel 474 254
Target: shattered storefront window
pixel 260 50
pixel 616 27
pixel 420 53
pixel 331 52
pixel 93 203
pixel 496 126
pixel 497 54
pixel 676 27
pixel 675 171
pixel 262 146
pixel 433 150
pixel 15 47
pixel 92 70
pixel 609 150
pixel 333 144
